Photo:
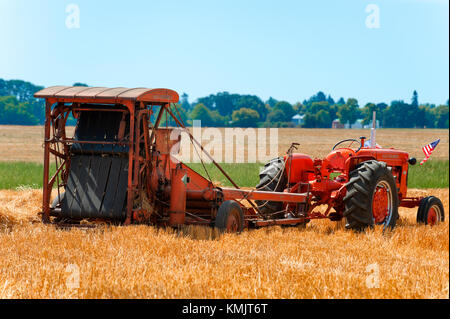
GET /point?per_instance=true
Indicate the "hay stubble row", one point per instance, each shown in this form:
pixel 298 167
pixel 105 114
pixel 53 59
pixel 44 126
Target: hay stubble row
pixel 322 261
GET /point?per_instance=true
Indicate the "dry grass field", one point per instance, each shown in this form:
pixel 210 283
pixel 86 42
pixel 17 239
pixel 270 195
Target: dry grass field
pixel 322 261
pixel 21 143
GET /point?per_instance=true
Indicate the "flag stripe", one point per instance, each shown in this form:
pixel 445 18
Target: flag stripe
pixel 428 149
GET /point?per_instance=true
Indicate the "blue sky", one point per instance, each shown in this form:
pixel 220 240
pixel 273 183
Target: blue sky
pixel 285 49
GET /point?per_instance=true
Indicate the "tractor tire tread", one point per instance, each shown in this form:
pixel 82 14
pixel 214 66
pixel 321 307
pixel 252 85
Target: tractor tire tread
pixel 360 189
pixel 271 179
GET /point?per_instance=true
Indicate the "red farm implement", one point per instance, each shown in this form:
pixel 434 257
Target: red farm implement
pixel 118 168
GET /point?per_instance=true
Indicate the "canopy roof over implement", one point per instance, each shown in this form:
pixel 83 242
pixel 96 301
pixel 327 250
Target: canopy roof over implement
pixel 112 95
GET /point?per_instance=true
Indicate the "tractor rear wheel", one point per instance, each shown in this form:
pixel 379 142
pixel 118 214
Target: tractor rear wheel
pixel 372 197
pixel 272 179
pixel 431 211
pixel 230 217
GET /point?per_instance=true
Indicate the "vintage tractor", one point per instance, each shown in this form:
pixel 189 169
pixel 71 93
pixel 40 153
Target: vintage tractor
pixel 119 167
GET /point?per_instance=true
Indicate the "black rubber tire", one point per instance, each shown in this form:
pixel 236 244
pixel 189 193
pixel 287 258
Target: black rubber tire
pixel 56 201
pixel 360 189
pixel 228 208
pixel 272 172
pixel 419 217
pixel 424 207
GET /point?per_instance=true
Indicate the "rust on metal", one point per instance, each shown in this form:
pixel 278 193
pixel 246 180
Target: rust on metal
pixel 102 93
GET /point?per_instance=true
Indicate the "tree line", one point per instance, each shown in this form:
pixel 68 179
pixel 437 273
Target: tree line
pixel 19 107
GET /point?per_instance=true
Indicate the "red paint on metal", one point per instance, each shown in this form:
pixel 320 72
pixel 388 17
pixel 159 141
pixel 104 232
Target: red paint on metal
pixel 380 208
pixel 177 212
pixel 299 168
pixel 432 217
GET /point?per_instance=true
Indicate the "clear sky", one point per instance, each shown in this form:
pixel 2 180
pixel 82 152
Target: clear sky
pixel 285 49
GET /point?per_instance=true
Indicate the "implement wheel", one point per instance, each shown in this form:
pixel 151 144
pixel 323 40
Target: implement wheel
pixel 431 211
pixel 372 197
pixel 230 217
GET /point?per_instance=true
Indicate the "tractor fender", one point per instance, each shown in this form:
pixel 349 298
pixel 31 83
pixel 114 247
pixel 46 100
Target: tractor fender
pixel 353 161
pixel 299 168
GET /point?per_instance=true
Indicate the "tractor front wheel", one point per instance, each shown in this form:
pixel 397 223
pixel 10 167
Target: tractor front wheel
pixel 372 197
pixel 431 211
pixel 230 217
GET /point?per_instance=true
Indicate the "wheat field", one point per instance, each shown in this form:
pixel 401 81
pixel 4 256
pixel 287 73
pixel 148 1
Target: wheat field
pixel 322 261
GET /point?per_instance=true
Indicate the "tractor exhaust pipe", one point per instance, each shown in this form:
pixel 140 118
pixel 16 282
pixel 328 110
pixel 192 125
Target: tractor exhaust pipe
pixel 373 131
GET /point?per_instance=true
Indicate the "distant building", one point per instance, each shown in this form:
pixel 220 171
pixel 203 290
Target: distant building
pixel 357 125
pixel 337 124
pixel 298 119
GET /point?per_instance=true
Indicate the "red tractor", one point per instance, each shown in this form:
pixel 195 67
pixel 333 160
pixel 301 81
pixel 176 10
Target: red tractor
pixel 119 167
pixel 364 184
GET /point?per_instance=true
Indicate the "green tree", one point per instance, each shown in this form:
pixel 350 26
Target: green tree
pixel 341 101
pixel 179 111
pixel 185 102
pixel 275 116
pixel 319 97
pixel 323 119
pixel 271 102
pixel 317 106
pixel 12 112
pixel 202 113
pixel 429 117
pixel 24 93
pixel 223 102
pixel 403 115
pixel 287 110
pixel 415 99
pixel 367 113
pixel 219 120
pixel 252 102
pixel 310 120
pixel 442 116
pixel 245 117
pixel 349 112
pixel 330 100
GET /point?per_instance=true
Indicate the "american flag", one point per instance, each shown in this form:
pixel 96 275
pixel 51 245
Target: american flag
pixel 428 149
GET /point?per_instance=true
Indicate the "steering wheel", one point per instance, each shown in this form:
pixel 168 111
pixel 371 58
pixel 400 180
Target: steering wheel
pixel 352 140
